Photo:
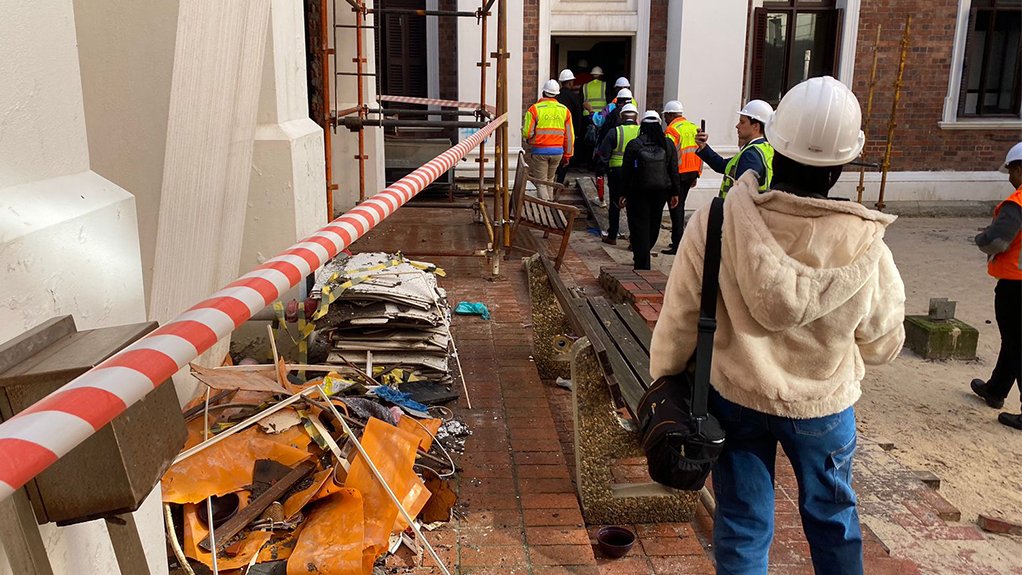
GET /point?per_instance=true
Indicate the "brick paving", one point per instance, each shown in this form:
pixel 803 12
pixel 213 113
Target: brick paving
pixel 518 512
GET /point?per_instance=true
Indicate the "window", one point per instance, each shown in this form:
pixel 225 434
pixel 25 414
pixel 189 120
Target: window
pixel 401 64
pixel 991 77
pixel 792 42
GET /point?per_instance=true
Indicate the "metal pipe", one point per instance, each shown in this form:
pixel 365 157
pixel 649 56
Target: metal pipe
pixel 359 60
pixel 869 112
pixel 486 9
pixel 417 12
pixel 894 111
pixel 357 74
pixel 353 123
pixel 328 127
pixel 396 111
pixel 502 133
pixel 483 65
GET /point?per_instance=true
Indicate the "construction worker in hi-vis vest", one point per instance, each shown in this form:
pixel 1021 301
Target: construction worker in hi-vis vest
pixel 594 93
pixel 755 153
pixel 547 129
pixel 683 133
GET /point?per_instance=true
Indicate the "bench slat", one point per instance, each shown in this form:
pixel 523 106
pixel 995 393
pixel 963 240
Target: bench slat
pixel 617 369
pixel 638 328
pixel 632 368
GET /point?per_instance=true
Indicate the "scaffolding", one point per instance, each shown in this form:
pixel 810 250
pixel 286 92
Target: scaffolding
pixel 442 113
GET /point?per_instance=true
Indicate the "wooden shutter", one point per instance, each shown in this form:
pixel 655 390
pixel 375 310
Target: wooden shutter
pixel 759 29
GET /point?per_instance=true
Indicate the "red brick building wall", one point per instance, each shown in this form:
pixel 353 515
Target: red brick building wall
pixel 448 44
pixel 919 143
pixel 657 55
pixel 529 55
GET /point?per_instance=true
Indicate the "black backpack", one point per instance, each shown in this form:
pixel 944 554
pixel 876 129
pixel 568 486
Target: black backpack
pixel 651 171
pixel 681 440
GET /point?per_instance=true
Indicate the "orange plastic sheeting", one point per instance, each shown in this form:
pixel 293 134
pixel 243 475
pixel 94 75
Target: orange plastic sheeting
pixel 225 467
pixel 294 504
pixel 331 540
pixel 432 426
pixel 393 451
pixel 196 531
pixel 280 546
pixel 334 485
pixel 416 499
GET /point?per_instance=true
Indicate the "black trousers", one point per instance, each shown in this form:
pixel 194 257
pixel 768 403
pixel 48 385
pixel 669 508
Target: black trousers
pixel 613 210
pixel 644 215
pixel 1008 312
pixel 678 213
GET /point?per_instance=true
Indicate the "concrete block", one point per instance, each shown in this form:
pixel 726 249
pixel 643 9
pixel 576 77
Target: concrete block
pixel 940 339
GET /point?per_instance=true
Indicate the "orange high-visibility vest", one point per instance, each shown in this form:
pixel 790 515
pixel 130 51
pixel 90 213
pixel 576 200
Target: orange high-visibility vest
pixel 683 134
pixel 1007 265
pixel 547 128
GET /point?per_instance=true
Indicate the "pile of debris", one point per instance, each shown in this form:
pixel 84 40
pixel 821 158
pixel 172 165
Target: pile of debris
pixel 282 474
pixel 387 315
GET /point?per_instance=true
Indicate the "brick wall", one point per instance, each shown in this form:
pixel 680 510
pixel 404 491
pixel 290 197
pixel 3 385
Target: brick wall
pixel 448 42
pixel 657 55
pixel 530 53
pixel 314 60
pixel 919 144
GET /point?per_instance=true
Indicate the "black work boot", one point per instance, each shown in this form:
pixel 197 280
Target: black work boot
pixel 980 388
pixel 1010 419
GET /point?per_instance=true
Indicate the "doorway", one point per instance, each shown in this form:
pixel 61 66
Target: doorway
pixel 582 53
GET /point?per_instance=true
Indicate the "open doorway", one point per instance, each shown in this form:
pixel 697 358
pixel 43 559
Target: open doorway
pixel 581 53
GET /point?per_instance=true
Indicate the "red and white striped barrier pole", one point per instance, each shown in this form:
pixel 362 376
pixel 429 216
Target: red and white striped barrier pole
pixel 35 438
pixel 436 102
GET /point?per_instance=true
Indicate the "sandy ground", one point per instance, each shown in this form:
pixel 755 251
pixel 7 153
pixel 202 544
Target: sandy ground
pixel 925 408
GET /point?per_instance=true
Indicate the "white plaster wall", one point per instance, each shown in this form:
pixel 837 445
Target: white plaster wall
pixel 68 237
pixel 345 95
pixel 126 50
pixel 287 190
pixel 213 104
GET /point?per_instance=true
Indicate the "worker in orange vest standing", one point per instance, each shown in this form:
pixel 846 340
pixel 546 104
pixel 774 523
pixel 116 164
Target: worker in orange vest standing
pixel 1002 242
pixel 690 167
pixel 547 130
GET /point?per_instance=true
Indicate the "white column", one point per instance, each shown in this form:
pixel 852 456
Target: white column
pixel 213 102
pixel 68 237
pixel 849 39
pixel 287 191
pixel 640 56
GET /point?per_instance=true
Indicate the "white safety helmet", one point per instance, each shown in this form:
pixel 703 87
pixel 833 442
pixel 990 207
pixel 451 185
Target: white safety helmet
pixel 817 123
pixel 1014 155
pixel 674 107
pixel 597 71
pixel 629 109
pixel 623 93
pixel 650 117
pixel 583 63
pixel 551 88
pixel 622 82
pixel 566 76
pixel 757 110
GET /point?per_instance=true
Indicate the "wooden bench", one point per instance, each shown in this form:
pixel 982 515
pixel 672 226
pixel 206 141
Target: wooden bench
pixel 546 216
pixel 610 366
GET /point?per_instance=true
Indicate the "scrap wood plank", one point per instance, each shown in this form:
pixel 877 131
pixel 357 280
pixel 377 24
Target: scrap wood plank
pixel 619 373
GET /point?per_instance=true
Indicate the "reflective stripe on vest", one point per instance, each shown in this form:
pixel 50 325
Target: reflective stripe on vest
pixel 593 93
pixel 546 125
pixel 766 153
pixel 624 133
pixel 683 134
pixel 1007 265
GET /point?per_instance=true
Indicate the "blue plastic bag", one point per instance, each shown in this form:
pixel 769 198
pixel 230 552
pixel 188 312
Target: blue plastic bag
pixel 472 308
pixel 399 398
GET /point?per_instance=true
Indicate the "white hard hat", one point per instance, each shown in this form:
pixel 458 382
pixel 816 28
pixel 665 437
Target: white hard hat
pixel 757 110
pixel 674 107
pixel 551 87
pixel 817 123
pixel 583 63
pixel 597 71
pixel 566 76
pixel 623 93
pixel 622 82
pixel 629 108
pixel 650 116
pixel 1014 155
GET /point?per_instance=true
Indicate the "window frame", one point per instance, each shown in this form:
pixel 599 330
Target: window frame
pixel 952 119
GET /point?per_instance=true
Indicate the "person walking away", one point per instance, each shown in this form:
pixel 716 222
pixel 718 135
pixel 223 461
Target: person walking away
pixel 609 158
pixel 608 119
pixel 649 176
pixel 1002 242
pixel 594 93
pixel 682 133
pixel 622 83
pixel 547 130
pixel 570 99
pixel 755 154
pixel 809 293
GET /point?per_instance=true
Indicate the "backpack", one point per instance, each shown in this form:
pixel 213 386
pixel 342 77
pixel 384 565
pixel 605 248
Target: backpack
pixel 651 171
pixel 681 439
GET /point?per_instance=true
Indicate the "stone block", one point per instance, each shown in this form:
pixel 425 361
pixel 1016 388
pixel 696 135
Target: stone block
pixel 940 339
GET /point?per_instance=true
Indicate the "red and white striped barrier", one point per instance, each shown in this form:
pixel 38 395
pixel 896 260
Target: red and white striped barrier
pixel 434 102
pixel 35 438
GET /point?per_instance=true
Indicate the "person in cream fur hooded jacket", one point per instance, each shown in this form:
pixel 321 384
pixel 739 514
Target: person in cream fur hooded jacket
pixel 809 293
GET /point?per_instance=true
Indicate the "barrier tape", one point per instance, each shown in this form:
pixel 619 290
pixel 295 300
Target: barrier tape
pixel 435 102
pixel 36 437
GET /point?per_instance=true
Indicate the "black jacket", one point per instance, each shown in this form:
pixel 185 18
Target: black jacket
pixel 632 178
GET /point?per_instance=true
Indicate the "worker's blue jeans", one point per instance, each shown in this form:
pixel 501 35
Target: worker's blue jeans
pixel 820 451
